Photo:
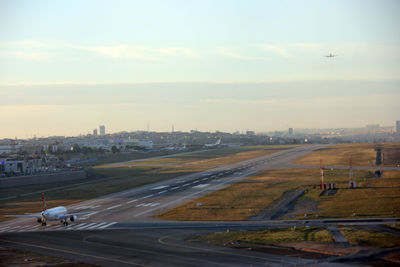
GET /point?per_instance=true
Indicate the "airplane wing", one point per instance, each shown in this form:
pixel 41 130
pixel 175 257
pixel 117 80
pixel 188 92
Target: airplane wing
pixel 62 216
pixel 24 216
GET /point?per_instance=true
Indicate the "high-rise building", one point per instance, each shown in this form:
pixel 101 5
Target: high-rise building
pixel 102 130
pixel 291 131
pixel 95 132
pixel 397 126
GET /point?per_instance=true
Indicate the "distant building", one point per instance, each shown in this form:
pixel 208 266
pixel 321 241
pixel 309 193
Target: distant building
pixel 102 130
pixel 373 128
pixel 95 132
pixel 398 127
pixel 250 133
pixel 291 131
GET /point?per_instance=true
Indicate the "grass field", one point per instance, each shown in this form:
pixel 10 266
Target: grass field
pixel 376 197
pixel 119 178
pixel 266 237
pixel 370 238
pixel 361 154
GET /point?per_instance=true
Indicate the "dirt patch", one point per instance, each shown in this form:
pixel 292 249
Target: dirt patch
pixel 391 156
pixel 324 248
pixel 303 205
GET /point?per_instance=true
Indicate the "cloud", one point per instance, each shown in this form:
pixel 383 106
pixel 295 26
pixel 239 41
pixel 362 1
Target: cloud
pixel 278 49
pixel 229 52
pixel 142 52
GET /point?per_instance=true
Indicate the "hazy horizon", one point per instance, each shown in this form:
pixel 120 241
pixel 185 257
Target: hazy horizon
pixel 68 67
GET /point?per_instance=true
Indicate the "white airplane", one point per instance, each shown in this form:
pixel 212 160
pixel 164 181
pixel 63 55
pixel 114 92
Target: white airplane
pixel 330 55
pixel 216 144
pixel 54 214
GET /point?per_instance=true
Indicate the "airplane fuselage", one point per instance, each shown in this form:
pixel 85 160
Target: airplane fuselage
pixel 54 214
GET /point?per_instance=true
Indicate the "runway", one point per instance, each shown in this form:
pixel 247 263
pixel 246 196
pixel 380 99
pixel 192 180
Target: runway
pixel 120 229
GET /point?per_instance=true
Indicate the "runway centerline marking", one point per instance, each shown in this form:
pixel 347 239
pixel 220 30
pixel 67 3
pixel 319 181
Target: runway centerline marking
pixel 131 201
pixel 159 187
pixel 113 207
pixel 187 196
pixel 148 196
pixel 201 185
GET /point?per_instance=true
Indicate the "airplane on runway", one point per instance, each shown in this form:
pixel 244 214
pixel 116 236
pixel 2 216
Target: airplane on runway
pixel 331 56
pixel 54 214
pixel 216 144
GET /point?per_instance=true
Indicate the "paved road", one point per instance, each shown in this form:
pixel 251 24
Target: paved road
pixel 121 228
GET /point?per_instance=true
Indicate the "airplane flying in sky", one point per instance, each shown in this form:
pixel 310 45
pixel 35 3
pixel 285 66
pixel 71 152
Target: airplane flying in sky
pixel 330 55
pixel 54 214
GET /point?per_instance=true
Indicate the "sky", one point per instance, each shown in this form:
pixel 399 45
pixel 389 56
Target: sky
pixel 67 67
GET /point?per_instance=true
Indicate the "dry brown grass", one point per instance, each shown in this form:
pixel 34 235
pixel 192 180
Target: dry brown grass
pixel 185 164
pixel 361 154
pixel 244 199
pixel 373 198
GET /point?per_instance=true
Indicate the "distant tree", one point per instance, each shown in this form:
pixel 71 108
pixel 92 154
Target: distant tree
pixel 76 148
pixel 114 149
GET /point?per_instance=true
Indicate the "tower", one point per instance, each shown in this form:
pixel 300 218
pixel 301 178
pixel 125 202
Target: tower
pixel 321 171
pixel 102 130
pixel 352 183
pixel 398 126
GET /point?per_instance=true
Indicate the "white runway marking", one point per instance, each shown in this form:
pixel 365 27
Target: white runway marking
pixel 176 187
pixel 24 227
pixel 148 196
pixel 159 187
pixel 97 225
pixel 184 197
pixel 70 227
pixel 201 185
pixel 116 206
pixel 107 225
pixel 129 202
pixel 186 184
pixel 33 228
pixel 85 226
pixel 162 192
pixel 154 204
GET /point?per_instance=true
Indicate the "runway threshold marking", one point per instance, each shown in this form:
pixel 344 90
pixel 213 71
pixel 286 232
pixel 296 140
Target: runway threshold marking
pixel 107 225
pixel 94 226
pixel 73 252
pixel 161 240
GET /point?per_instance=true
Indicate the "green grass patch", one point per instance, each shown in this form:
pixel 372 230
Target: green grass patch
pixel 266 237
pixel 369 238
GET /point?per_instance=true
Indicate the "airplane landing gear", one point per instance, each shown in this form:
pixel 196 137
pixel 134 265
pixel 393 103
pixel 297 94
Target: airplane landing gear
pixel 43 223
pixel 65 223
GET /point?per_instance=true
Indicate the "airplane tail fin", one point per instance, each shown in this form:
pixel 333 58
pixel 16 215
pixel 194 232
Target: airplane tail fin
pixel 44 202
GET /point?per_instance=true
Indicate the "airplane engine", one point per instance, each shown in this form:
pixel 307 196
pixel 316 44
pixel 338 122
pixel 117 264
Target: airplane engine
pixel 39 220
pixel 72 218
